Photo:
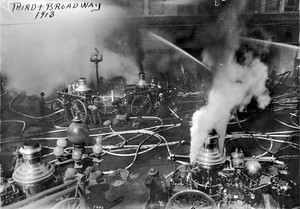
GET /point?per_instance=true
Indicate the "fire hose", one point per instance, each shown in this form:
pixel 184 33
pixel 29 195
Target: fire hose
pixel 29 116
pixel 121 145
pixel 2 94
pixel 16 121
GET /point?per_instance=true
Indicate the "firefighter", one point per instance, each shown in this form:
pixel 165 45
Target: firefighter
pixel 156 183
pixel 42 103
pixel 95 113
pixel 67 106
pixel 121 115
pixel 187 81
pixel 272 84
pixel 184 130
pixel 199 80
pixel 163 111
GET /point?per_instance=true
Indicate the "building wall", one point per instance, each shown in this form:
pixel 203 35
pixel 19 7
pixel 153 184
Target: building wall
pixel 177 22
pixel 178 7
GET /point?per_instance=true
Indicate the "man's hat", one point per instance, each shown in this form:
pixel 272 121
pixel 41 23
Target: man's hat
pixel 152 171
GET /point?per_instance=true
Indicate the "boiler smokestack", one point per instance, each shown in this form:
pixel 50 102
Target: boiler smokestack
pixel 209 155
pixel 142 80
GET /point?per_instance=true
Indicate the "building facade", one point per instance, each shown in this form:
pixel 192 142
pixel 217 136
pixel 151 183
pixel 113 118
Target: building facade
pixel 189 26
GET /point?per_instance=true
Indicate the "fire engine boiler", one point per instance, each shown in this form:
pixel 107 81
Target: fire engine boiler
pixel 142 80
pixel 33 176
pixel 209 161
pixel 230 180
pixel 82 87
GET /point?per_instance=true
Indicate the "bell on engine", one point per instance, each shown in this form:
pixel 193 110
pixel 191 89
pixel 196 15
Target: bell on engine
pixel 253 168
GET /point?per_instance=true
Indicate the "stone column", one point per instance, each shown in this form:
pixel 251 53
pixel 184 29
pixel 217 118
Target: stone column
pixel 281 6
pixel 262 8
pixel 146 7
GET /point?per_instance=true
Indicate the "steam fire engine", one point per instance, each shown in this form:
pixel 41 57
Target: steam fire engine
pixel 77 100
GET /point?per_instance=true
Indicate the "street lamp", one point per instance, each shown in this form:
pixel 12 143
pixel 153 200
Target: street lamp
pixel 94 58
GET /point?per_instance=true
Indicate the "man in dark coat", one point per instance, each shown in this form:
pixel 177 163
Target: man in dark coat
pixel 156 182
pixel 163 111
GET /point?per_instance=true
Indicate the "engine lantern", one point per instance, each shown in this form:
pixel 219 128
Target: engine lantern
pixel 33 175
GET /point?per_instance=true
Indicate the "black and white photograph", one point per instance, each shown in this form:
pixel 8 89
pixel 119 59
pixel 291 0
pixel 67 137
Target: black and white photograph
pixel 149 104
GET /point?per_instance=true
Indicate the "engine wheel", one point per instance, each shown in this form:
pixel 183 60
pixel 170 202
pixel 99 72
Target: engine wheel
pixel 79 107
pixel 56 105
pixel 175 103
pixel 99 103
pixel 191 199
pixel 141 105
pixel 68 203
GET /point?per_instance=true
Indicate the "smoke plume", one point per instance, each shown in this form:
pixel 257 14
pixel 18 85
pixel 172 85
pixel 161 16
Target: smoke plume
pixel 236 82
pixel 127 41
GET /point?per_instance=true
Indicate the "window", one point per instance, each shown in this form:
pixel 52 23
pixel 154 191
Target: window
pixel 156 7
pixel 185 9
pixel 291 5
pixel 272 5
pixel 252 6
pixel 136 7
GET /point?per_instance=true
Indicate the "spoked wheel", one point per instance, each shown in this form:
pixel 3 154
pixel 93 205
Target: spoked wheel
pixel 57 105
pixel 141 105
pixel 175 103
pixel 99 103
pixel 68 203
pixel 191 199
pixel 79 107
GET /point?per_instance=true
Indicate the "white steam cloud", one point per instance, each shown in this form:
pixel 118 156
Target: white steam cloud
pixel 234 85
pixel 41 55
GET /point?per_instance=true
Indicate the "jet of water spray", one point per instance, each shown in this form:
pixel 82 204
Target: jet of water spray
pixel 271 42
pixel 178 49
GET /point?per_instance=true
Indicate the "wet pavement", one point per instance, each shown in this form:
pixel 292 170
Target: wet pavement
pixel 16 128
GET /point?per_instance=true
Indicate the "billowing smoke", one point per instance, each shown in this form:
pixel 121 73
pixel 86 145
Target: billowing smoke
pixel 240 76
pixel 127 41
pixel 45 54
pixel 125 66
